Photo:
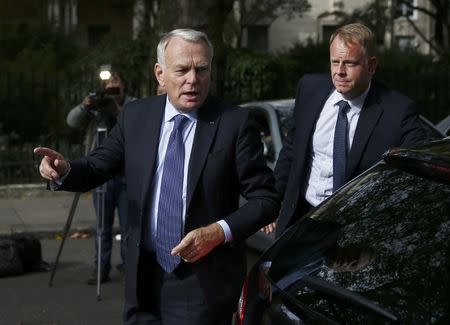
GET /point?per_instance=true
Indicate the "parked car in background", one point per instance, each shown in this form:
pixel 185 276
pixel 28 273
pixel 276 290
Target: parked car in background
pixel 376 252
pixel 274 118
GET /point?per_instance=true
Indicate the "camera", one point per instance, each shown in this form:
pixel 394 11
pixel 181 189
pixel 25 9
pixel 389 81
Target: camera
pixel 103 99
pixel 103 96
pixel 105 105
pixel 105 92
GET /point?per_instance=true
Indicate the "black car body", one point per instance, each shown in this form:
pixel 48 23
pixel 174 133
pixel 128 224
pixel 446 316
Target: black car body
pixel 444 125
pixel 375 252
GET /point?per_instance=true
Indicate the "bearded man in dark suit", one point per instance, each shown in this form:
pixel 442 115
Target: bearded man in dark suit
pixel 187 158
pixel 343 123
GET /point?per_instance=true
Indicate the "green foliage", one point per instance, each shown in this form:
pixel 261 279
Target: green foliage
pixel 30 84
pixel 130 56
pixel 300 60
pixel 420 77
pixel 257 77
pixel 251 76
pixel 46 74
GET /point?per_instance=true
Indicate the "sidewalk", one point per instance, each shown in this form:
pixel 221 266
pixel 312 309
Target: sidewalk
pixel 32 208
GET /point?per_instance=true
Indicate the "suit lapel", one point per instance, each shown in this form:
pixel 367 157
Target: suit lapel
pixel 368 119
pixel 150 139
pixel 207 123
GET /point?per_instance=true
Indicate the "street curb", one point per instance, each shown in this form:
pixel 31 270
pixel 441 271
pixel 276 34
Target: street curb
pixel 24 190
pixel 43 231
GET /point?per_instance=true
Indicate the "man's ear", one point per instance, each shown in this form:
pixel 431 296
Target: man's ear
pixel 159 74
pixel 373 63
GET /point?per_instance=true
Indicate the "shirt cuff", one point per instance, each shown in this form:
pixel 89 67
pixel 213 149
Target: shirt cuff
pixel 54 185
pixel 226 230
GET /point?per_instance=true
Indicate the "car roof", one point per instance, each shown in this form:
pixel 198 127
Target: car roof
pixel 431 160
pixel 278 104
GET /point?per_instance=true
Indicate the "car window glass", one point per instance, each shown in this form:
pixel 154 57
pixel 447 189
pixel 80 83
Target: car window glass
pixel 384 236
pixel 431 132
pixel 285 119
pixel 261 120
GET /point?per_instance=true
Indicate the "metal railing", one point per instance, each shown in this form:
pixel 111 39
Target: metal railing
pixel 45 100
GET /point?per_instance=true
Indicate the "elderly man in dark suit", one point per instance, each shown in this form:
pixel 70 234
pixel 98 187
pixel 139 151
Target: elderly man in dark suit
pixel 187 157
pixel 342 126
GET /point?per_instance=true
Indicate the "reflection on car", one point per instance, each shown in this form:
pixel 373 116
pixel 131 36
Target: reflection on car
pixel 274 118
pixel 376 252
pixel 444 126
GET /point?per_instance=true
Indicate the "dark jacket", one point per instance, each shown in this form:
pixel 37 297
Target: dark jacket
pixel 388 119
pixel 226 162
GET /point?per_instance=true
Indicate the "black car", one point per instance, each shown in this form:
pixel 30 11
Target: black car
pixel 376 252
pixel 273 119
pixel 444 125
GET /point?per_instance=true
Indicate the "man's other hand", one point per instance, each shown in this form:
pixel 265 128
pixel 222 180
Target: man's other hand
pixel 88 102
pixel 199 242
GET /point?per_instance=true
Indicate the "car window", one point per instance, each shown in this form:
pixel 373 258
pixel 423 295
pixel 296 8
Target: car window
pixel 385 237
pixel 431 131
pixel 286 120
pixel 261 120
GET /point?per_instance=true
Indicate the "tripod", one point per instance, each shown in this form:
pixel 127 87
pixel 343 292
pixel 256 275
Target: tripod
pixel 100 200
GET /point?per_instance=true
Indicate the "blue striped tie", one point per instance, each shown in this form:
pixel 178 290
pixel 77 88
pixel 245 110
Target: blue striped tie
pixel 340 148
pixel 170 209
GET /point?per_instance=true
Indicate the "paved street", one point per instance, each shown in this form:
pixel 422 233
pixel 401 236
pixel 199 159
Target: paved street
pixel 28 300
pixel 31 208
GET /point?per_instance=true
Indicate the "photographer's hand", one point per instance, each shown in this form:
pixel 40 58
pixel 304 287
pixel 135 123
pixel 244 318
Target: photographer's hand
pixel 53 164
pixel 88 102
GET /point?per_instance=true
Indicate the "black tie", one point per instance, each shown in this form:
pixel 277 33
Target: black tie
pixel 340 148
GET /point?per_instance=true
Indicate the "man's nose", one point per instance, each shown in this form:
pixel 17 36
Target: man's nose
pixel 191 76
pixel 341 68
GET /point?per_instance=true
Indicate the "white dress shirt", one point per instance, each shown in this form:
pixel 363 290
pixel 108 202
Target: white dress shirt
pixel 319 184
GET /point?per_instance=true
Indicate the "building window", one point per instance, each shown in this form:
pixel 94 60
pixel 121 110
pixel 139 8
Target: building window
pixel 96 34
pixel 327 31
pixel 258 38
pixel 405 43
pixel 404 9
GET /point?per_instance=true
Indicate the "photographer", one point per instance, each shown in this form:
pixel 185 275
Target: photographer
pixel 100 110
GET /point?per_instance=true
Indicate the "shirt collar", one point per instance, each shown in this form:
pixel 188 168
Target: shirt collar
pixel 171 111
pixel 357 102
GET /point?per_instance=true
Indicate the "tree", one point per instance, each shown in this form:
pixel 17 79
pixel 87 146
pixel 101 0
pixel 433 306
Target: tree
pixel 439 11
pixel 375 15
pixel 265 12
pixel 223 20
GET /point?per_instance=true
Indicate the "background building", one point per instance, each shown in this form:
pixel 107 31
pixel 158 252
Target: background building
pixel 406 28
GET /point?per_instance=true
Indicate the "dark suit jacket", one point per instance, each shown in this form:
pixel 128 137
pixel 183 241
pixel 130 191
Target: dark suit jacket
pixel 226 161
pixel 387 119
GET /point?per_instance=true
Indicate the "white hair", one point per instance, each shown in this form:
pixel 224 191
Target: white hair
pixel 189 35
